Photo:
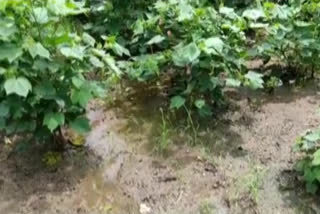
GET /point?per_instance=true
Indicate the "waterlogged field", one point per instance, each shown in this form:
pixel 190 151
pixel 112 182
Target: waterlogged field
pixel 242 162
pixel 159 106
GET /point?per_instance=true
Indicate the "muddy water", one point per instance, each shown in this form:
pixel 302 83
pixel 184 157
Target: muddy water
pixel 242 163
pixel 244 139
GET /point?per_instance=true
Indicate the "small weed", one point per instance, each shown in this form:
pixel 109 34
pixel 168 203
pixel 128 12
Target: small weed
pixel 206 208
pixel 191 125
pixel 52 159
pixel 254 181
pixel 163 140
pixel 251 183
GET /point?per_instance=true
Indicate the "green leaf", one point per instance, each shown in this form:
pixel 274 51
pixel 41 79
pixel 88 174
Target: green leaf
pixel 45 90
pixel 185 12
pixel 4 110
pixel 3 5
pixel 120 50
pixel 314 136
pixel 88 39
pixel 112 64
pixel 96 62
pixel 64 7
pixel 255 80
pixel 40 15
pixel 81 97
pixel 81 125
pixel 53 120
pixel 10 52
pixel 186 55
pixel 200 103
pixel 78 81
pixel 309 177
pixel 138 27
pixel 312 188
pixel 76 52
pixel 205 111
pixel 228 12
pixel 156 40
pixel 213 45
pixel 2 71
pixel 316 172
pixel 253 14
pixel 36 49
pixel 2 122
pixel 20 86
pixel 230 82
pixel 7 29
pixel 316 158
pixel 177 102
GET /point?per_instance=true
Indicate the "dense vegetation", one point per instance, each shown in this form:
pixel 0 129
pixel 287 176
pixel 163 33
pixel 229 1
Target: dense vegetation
pixel 193 49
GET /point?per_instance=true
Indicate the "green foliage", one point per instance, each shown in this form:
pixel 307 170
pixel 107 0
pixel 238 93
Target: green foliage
pixel 192 48
pixel 288 33
pixel 190 43
pixel 44 58
pixel 309 166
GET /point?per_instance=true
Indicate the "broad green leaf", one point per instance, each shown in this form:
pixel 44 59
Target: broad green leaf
pixel 228 12
pixel 4 110
pixel 200 103
pixel 156 40
pixel 316 158
pixel 7 29
pixel 36 49
pixel 53 120
pixel 20 86
pixel 316 172
pixel 112 64
pixel 309 175
pixel 88 39
pixel 138 27
pixel 81 97
pixel 96 62
pixel 3 4
pixel 45 90
pixel 40 15
pixel 10 52
pixel 57 7
pixel 213 45
pixel 282 12
pixel 78 81
pixel 186 55
pixel 64 7
pixel 205 111
pixel 177 102
pixel 2 71
pixel 314 136
pixel 255 80
pixel 185 11
pixel 258 25
pixel 76 52
pixel 230 82
pixel 80 125
pixel 253 14
pixel 120 50
pixel 312 188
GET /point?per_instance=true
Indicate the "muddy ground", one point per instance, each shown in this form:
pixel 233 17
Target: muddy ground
pixel 242 163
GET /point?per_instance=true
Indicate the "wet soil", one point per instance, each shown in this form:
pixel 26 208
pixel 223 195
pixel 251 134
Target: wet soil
pixel 243 162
